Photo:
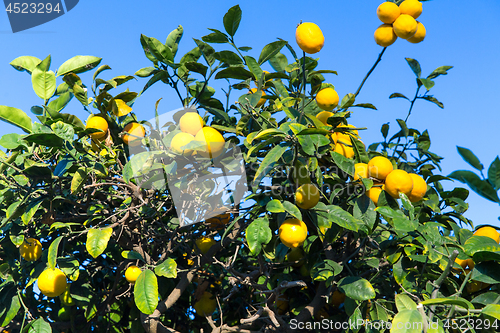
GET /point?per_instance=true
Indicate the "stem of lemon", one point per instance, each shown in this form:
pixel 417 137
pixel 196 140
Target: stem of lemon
pixel 370 71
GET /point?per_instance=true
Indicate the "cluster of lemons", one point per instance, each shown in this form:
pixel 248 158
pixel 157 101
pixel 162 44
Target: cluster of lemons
pixel 193 128
pixel 399 21
pixel 393 181
pixel 466 265
pixel 133 132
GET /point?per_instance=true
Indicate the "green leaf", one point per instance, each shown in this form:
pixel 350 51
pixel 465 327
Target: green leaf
pixel 492 310
pixel 347 101
pixel 404 302
pixel 267 133
pixel 215 37
pixel 78 64
pixel 168 269
pixel 268 163
pixel 11 141
pixel 428 84
pixel 13 308
pixel 364 210
pixel 63 130
pixel 145 72
pixel 482 248
pixel 493 173
pixel 60 103
pixel 45 139
pixel 146 292
pixel 279 62
pixel 232 20
pixel 275 206
pixel 357 288
pixel 97 241
pixel 342 218
pixel 404 129
pixel 433 100
pixel 462 302
pixel 257 234
pixel 44 83
pixel 40 326
pixel 345 164
pixel 481 187
pixel 470 158
pixel 207 51
pixel 415 66
pixel 16 117
pixel 238 73
pixel 407 321
pixel 174 38
pixel 30 211
pixel 157 49
pixel 292 209
pixel 271 50
pixel 442 70
pixel 324 270
pixel 133 255
pixel 366 106
pixel 100 70
pixel 25 63
pixel 228 57
pixel 398 95
pixel 52 255
pixel 487 272
pixel 78 180
pixel 196 67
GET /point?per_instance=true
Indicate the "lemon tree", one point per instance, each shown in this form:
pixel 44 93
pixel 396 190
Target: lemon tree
pixel 332 227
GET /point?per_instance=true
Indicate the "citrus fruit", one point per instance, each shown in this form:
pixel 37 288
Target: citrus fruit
pixel 470 263
pixel 219 221
pixel 360 171
pixel 398 181
pixel 351 129
pixel 388 12
pixel 475 286
pixel 132 273
pixel 419 35
pixel 379 167
pixel 205 243
pixel 309 37
pixel 323 116
pixel 384 35
pixel 63 314
pixel 261 100
pixel 374 192
pixel 307 196
pixel 206 304
pixel 134 134
pixel 31 249
pixel 343 144
pixel 327 99
pixel 405 26
pixel 282 304
pixel 419 188
pixel 66 298
pixel 411 7
pixel 304 271
pixel 337 298
pixel 99 123
pixel 52 282
pixel 462 263
pixel 296 255
pixel 179 141
pixel 212 140
pixel 488 232
pixel 191 122
pixel 300 174
pixel 292 233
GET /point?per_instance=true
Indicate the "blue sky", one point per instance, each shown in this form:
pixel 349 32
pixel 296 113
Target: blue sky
pixel 460 33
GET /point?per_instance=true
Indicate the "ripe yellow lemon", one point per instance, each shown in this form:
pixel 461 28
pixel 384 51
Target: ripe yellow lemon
pixel 379 167
pixel 100 123
pixel 213 142
pixel 411 7
pixel 292 233
pixel 191 122
pixel 205 243
pixel 475 286
pixel 488 232
pixel 323 116
pixel 132 273
pixel 206 304
pixel 309 37
pixel 219 221
pixel 405 26
pixel 307 196
pixel 419 35
pixel 66 298
pixel 462 263
pixel 134 132
pixel 31 249
pixel 388 12
pixel 385 35
pixel 180 140
pixel 419 188
pixel 327 99
pixel 349 126
pixel 398 181
pixel 343 144
pixel 360 171
pixel 52 282
pixel 374 192
pixel 261 100
pixel 470 263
